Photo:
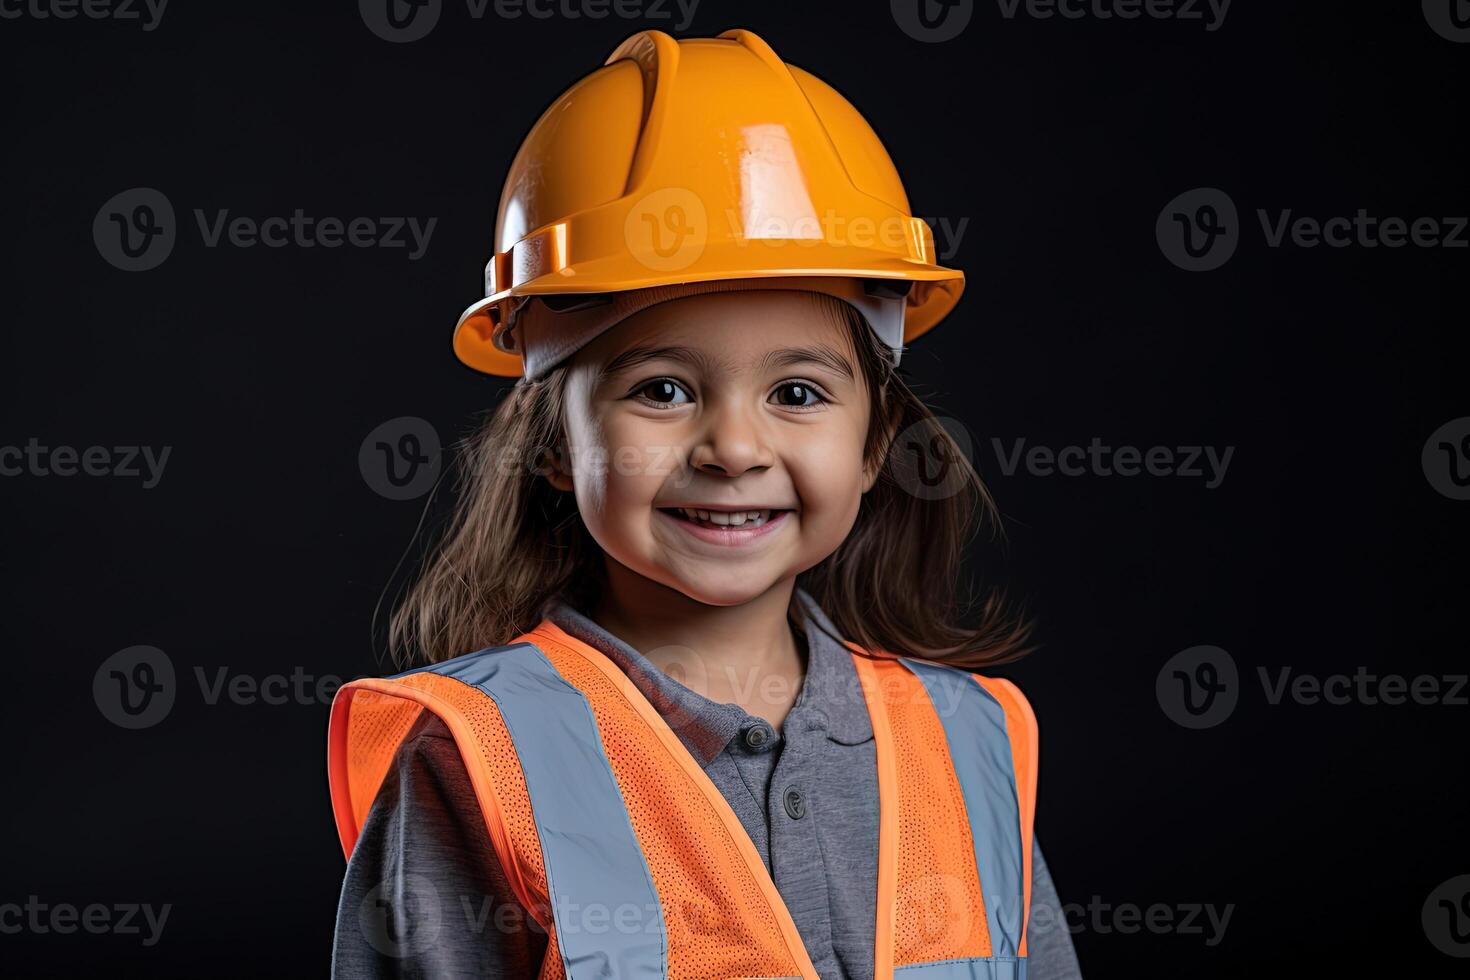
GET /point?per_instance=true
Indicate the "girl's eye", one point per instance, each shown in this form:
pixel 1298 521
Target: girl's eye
pixel 662 392
pixel 795 394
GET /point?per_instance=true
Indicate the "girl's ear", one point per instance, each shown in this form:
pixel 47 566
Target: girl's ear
pixel 887 430
pixel 872 468
pixel 553 467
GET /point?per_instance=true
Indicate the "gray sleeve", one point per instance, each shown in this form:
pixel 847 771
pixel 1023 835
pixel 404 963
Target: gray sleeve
pixel 424 894
pixel 1049 952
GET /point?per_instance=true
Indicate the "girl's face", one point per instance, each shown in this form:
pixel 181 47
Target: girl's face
pixel 730 402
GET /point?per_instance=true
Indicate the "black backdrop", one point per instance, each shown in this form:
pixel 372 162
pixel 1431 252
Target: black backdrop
pixel 1056 144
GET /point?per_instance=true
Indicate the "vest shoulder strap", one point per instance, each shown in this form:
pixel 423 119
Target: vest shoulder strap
pixel 960 753
pixel 370 718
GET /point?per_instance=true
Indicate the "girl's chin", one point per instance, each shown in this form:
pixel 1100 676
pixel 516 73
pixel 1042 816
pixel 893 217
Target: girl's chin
pixel 717 587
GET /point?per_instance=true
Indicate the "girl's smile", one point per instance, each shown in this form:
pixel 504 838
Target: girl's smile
pixel 728 528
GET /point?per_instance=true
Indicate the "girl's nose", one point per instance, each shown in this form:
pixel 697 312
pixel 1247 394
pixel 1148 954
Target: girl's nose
pixel 731 443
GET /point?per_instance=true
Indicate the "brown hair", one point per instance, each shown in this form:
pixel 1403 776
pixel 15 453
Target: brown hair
pixel 513 541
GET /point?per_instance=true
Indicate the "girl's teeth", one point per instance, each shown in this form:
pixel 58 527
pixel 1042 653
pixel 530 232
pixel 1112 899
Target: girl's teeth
pixel 755 518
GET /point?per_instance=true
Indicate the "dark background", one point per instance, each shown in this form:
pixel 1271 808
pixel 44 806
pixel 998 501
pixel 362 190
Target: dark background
pixel 264 550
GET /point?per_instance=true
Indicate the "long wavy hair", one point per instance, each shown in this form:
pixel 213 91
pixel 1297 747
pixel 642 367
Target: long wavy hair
pixel 513 541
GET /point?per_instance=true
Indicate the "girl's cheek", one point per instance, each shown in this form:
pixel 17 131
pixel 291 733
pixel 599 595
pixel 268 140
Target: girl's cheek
pixel 827 471
pixel 640 456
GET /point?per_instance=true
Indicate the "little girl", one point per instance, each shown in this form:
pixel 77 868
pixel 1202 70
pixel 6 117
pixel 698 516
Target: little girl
pixel 718 721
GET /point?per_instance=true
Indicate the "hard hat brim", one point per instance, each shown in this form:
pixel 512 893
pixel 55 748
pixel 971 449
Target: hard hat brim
pixel 936 291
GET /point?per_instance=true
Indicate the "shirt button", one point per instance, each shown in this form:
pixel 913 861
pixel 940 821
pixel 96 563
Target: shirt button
pixel 757 736
pixel 795 805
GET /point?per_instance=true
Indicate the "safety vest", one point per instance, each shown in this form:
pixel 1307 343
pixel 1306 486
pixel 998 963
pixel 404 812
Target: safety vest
pixel 614 838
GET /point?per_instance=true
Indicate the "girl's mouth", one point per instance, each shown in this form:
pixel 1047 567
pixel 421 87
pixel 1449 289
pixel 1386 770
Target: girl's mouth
pixel 723 526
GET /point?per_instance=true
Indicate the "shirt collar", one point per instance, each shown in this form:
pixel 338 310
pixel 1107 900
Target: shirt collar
pixel 831 697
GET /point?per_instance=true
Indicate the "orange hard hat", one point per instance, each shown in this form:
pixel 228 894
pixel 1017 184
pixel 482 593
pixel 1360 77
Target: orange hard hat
pixel 699 161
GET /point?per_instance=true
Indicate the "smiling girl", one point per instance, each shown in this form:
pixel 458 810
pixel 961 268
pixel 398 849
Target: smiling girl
pixel 691 697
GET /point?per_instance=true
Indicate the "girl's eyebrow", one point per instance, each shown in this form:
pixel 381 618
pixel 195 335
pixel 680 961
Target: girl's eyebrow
pixel 821 355
pixel 781 357
pixel 634 356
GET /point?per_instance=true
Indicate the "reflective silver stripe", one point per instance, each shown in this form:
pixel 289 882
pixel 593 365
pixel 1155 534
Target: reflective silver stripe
pixel 977 968
pixel 608 919
pixel 975 727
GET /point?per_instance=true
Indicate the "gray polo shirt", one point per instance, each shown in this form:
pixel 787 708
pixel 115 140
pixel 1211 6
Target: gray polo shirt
pixel 424 895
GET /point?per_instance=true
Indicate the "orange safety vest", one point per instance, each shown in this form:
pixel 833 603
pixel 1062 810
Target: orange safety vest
pixel 613 837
